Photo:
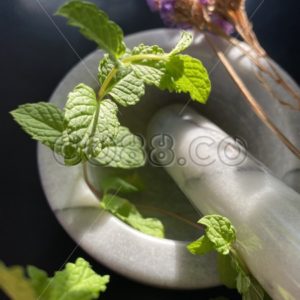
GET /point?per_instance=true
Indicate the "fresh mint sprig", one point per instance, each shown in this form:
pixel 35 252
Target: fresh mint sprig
pixel 220 235
pixel 77 281
pixel 88 127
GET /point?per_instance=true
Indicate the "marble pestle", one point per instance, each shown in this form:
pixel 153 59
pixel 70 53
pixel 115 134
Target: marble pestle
pixel 218 176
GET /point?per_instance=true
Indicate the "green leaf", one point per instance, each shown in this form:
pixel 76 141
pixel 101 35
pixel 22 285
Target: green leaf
pixel 105 67
pixel 148 70
pixel 227 272
pixel 14 283
pixel 118 185
pixel 243 282
pixel 127 89
pixel 145 49
pixel 220 235
pixel 94 25
pixel 126 151
pixel 40 282
pixel 91 125
pixel 77 282
pixel 187 74
pixel 185 41
pixel 220 232
pixel 201 246
pixel 42 121
pixel 128 213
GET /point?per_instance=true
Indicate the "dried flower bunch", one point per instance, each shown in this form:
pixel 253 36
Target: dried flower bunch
pixel 223 18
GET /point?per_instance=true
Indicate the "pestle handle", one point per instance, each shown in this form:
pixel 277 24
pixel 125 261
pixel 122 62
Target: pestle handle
pixel 218 176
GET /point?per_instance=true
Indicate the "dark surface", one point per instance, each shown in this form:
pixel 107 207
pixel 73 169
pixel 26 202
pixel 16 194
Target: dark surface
pixel 34 57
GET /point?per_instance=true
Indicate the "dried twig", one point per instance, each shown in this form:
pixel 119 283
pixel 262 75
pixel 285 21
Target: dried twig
pixel 256 107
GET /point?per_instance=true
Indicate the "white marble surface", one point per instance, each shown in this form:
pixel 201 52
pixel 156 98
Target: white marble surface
pixel 153 261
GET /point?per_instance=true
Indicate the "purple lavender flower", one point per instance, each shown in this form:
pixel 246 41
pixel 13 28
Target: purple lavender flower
pixel 153 4
pixel 226 26
pixel 167 12
pixel 204 2
pixel 166 9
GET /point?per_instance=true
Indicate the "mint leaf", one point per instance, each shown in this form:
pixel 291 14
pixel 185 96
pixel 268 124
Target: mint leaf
pixel 14 283
pixel 94 25
pixel 42 121
pixel 201 246
pixel 105 67
pixel 77 282
pixel 118 185
pixel 149 70
pixel 187 74
pixel 228 274
pixel 128 213
pixel 124 152
pixel 91 124
pixel 40 282
pixel 220 236
pixel 185 41
pixel 127 89
pixel 219 231
pixel 243 282
pixel 145 49
pixel 246 285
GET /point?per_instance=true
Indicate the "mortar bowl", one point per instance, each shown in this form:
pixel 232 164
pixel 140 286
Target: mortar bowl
pixel 154 261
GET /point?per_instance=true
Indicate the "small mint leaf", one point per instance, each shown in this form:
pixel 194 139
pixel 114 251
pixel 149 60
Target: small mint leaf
pixel 187 74
pixel 127 89
pixel 243 282
pixel 128 213
pixel 201 246
pixel 185 41
pixel 144 49
pixel 220 232
pixel 14 283
pixel 228 274
pixel 42 121
pixel 105 67
pixel 40 282
pixel 77 282
pixel 95 25
pixel 126 151
pixel 150 71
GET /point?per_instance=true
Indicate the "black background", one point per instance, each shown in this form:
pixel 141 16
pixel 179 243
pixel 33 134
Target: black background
pixel 34 58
